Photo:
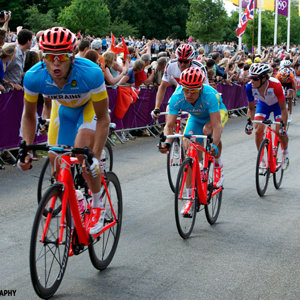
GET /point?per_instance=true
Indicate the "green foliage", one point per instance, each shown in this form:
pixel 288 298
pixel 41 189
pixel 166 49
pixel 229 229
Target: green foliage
pixel 89 16
pixel 37 21
pixel 155 19
pixel 123 28
pixel 206 20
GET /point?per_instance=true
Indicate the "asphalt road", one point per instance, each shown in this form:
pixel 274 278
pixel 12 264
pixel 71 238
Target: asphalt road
pixel 253 251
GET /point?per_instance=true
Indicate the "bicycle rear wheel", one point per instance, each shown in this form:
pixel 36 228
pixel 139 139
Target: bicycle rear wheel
pixel 262 168
pixel 174 160
pixel 103 248
pixel 183 202
pixel 278 175
pixel 107 157
pixel 213 206
pixel 48 259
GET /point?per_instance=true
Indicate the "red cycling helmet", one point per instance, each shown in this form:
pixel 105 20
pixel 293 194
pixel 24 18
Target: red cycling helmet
pixel 192 77
pixel 58 38
pixel 185 52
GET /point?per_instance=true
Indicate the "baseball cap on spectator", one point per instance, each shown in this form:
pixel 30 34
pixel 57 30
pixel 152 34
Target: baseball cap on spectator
pixel 257 59
pixel 96 44
pixel 248 61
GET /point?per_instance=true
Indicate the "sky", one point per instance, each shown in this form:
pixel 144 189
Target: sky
pixel 229 6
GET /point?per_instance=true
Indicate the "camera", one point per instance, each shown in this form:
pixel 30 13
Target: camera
pixel 3 13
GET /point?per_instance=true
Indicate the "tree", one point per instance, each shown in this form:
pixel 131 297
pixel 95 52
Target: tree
pixel 37 21
pixel 89 16
pixel 123 28
pixel 155 18
pixel 206 20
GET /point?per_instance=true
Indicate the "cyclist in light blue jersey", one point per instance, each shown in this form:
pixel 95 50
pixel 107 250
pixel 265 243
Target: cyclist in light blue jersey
pixel 79 112
pixel 207 112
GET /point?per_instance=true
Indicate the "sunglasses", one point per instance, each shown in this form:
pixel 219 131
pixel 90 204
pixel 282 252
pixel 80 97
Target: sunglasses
pixel 255 78
pixel 192 91
pixel 61 57
pixel 183 61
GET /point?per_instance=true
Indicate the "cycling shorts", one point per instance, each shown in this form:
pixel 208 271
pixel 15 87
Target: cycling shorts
pixel 263 111
pixel 73 120
pixel 195 125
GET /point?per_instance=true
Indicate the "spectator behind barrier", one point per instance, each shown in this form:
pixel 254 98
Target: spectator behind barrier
pixel 159 68
pixel 15 69
pixel 97 45
pixel 83 46
pixel 113 72
pixel 129 78
pixel 7 55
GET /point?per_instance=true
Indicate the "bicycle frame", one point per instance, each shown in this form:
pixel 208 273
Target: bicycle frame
pixel 196 174
pixel 272 147
pixel 65 179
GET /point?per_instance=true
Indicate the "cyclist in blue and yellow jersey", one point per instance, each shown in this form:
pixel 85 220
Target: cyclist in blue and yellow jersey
pixel 207 112
pixel 79 113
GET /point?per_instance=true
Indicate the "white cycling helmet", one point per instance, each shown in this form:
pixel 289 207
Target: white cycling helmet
pixel 259 70
pixel 285 63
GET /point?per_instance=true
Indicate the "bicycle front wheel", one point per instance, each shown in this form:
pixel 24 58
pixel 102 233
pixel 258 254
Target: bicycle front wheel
pixel 278 175
pixel 48 259
pixel 103 248
pixel 45 180
pixel 262 168
pixel 213 206
pixel 174 160
pixel 107 157
pixel 185 205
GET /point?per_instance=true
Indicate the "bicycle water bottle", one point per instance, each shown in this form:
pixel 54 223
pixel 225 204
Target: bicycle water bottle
pixel 80 200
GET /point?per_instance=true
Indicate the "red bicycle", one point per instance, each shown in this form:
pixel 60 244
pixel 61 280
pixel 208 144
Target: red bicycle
pixel 196 188
pixel 60 225
pixel 176 154
pixel 269 158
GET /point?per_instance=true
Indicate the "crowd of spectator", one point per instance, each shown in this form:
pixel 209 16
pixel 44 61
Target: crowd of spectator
pixel 146 61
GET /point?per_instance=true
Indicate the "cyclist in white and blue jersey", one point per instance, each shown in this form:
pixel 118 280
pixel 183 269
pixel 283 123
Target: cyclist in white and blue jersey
pixel 79 112
pixel 207 112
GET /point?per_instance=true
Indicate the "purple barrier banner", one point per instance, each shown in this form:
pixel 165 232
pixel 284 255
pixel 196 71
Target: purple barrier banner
pixel 233 96
pixel 11 109
pixel 138 114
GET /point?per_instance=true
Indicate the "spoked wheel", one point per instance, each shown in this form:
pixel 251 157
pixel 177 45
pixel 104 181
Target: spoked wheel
pixel 48 259
pixel 214 201
pixel 278 175
pixel 103 248
pixel 185 206
pixel 262 168
pixel 174 160
pixel 107 157
pixel 46 179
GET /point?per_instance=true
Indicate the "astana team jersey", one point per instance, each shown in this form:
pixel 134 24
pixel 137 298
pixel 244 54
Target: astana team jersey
pixel 208 102
pixel 72 107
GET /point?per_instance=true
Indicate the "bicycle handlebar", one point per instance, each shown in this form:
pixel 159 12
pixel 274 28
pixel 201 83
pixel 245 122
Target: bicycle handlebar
pixel 24 148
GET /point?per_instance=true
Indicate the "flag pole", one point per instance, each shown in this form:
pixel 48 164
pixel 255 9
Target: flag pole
pixel 289 26
pixel 276 22
pixel 259 29
pixel 240 15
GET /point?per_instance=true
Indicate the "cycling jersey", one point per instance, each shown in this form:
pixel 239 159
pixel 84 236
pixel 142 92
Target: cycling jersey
pixel 172 70
pixel 273 92
pixel 209 101
pixel 287 82
pixel 72 105
pixel 269 102
pixel 86 82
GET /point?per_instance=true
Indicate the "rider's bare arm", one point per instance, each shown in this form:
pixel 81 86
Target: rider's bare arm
pixel 102 126
pixel 29 121
pixel 161 93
